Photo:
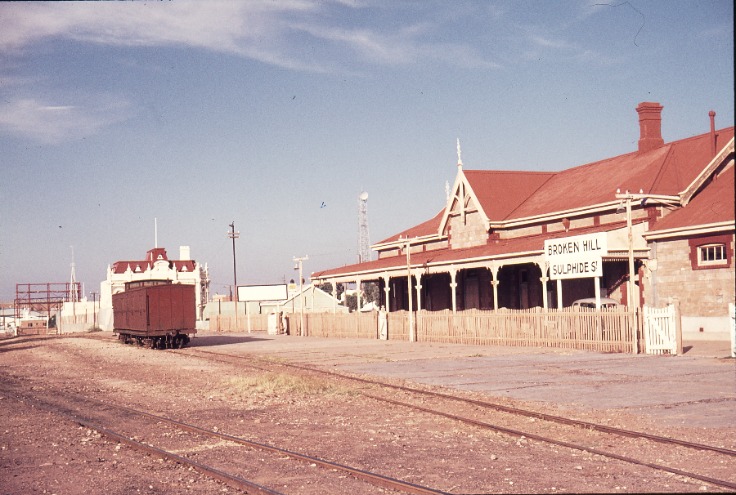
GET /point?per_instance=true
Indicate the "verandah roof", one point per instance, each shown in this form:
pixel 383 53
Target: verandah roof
pixel 502 249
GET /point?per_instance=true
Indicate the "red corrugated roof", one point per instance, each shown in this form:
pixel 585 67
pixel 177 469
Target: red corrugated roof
pixel 501 193
pixel 666 170
pixel 714 204
pixel 511 195
pixel 426 228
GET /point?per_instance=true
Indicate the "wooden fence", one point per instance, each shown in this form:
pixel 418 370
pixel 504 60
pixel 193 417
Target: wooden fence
pixel 346 325
pixel 604 331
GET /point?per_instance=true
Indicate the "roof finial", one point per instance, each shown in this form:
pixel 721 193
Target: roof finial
pixel 459 155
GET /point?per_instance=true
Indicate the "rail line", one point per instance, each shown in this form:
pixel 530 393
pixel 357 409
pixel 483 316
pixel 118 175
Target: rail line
pixel 230 479
pixel 510 410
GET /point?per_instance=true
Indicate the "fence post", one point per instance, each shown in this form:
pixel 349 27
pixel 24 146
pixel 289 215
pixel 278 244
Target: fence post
pixel 382 324
pixel 732 327
pixel 678 326
pixel 637 321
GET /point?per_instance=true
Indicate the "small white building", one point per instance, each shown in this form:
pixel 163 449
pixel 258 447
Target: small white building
pixel 156 266
pixel 314 300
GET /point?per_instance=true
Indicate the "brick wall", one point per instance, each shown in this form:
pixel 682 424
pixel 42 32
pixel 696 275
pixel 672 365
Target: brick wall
pixel 701 292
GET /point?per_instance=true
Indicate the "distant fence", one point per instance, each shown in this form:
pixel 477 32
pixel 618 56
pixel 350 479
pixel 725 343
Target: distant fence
pixel 344 325
pixel 243 323
pixel 75 323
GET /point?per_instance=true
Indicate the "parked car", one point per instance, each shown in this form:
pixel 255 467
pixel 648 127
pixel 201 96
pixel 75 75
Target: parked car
pixel 589 303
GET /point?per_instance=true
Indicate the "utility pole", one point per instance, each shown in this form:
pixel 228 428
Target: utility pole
pixel 298 266
pixel 633 292
pixel 234 235
pixel 412 333
pixel 94 309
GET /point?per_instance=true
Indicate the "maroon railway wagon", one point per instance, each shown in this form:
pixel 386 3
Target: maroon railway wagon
pixel 155 313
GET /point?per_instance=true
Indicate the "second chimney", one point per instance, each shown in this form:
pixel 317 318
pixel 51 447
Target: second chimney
pixel 650 126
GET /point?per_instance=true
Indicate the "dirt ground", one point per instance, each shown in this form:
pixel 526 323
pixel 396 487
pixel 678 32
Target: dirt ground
pixel 41 452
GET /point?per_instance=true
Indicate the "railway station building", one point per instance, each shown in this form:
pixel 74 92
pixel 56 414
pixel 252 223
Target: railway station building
pixel 665 213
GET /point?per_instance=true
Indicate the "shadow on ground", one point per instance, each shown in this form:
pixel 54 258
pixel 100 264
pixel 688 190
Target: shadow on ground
pixel 215 340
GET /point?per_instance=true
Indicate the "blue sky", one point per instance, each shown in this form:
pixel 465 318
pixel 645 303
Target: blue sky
pixel 277 114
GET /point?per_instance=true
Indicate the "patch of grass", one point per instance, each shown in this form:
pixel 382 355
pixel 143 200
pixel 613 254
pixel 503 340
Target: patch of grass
pixel 279 384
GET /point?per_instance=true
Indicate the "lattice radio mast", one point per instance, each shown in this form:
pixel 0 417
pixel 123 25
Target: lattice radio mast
pixel 73 286
pixel 364 249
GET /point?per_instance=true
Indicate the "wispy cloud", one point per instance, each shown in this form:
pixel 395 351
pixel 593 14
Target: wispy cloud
pixel 407 46
pixel 567 49
pixel 51 124
pixel 263 30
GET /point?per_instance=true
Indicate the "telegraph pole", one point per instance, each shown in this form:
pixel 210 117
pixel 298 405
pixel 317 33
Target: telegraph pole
pixel 94 309
pixel 298 266
pixel 412 334
pixel 234 235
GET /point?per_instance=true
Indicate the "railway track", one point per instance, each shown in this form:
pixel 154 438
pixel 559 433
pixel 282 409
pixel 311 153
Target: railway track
pixel 71 408
pixel 473 409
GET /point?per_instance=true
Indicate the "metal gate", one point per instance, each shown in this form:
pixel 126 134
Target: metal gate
pixel 660 330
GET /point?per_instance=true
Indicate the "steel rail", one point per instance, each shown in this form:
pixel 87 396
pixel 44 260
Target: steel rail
pixel 372 478
pixel 562 420
pixel 527 413
pixel 508 409
pixel 229 479
pixel 562 443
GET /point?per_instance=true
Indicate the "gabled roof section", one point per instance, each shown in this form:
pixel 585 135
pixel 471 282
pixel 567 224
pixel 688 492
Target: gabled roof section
pixel 500 193
pixel 495 193
pixel 707 172
pixel 713 207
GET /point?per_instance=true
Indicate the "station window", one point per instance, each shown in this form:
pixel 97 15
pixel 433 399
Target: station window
pixel 712 255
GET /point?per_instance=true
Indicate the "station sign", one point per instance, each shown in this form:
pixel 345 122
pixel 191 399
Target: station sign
pixel 578 256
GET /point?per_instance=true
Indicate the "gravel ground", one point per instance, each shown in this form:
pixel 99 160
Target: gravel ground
pixel 43 453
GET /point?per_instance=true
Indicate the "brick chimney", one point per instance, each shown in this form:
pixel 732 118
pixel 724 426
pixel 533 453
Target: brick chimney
pixel 650 126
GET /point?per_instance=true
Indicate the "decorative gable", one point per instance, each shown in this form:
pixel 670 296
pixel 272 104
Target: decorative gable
pixel 464 222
